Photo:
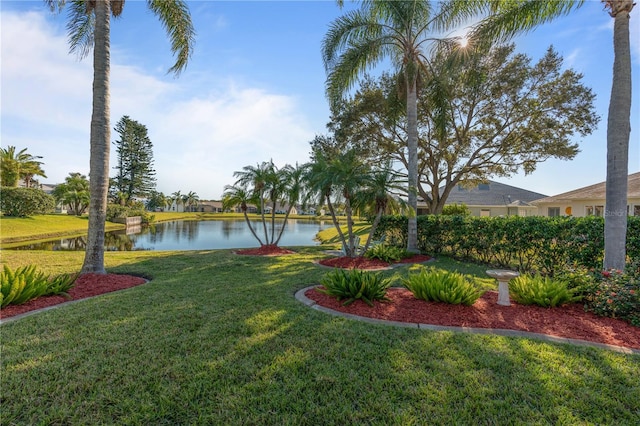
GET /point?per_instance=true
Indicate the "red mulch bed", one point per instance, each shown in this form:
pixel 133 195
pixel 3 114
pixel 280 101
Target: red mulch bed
pixel 268 250
pixel 86 285
pixel 368 264
pixel 569 321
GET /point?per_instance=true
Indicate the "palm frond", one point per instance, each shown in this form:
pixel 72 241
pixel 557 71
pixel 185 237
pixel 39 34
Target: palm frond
pixel 80 28
pixel 509 18
pixel 176 20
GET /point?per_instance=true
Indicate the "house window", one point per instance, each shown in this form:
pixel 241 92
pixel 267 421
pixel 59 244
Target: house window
pixel 553 211
pixel 485 213
pixel 594 211
pixel 636 210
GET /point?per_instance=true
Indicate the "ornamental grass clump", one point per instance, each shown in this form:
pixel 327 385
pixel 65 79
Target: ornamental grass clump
pixel 355 284
pixel 443 286
pixel 542 291
pixel 25 283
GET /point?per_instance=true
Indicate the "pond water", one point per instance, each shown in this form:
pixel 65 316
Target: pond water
pixel 191 235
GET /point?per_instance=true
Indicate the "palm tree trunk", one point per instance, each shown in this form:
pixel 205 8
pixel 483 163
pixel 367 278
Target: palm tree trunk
pixel 412 154
pixel 337 225
pixel 246 218
pixel 99 139
pixel 372 231
pixel 284 224
pixel 618 129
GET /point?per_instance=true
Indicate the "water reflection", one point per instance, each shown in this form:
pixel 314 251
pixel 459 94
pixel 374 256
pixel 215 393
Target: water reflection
pixel 190 235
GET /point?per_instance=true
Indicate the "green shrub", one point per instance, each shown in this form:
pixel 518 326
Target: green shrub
pixel 387 253
pixel 456 210
pixel 541 291
pixel 24 284
pixel 616 294
pixel 443 286
pixel 355 284
pixel 22 202
pixel 116 211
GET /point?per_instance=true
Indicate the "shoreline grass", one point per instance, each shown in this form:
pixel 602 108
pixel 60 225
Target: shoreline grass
pixel 217 338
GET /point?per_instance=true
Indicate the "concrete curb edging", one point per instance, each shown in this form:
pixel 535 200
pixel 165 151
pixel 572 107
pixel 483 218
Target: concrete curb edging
pixel 300 296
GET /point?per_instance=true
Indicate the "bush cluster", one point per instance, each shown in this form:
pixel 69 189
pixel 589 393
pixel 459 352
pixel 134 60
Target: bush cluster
pixel 443 286
pixel 22 202
pixel 387 253
pixel 24 284
pixel 529 244
pixel 117 211
pixel 615 294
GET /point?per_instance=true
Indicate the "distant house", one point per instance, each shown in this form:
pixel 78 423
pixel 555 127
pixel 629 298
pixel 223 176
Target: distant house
pixel 209 206
pixel 589 201
pixel 492 199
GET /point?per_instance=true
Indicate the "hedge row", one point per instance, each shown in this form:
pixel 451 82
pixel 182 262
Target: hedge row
pixel 528 244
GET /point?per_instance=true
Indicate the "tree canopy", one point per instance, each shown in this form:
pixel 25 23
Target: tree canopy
pixel 491 113
pixel 135 176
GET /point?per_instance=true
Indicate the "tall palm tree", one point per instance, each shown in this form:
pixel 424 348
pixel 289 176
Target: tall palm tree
pixel 89 27
pixel 618 130
pixel 398 30
pixel 15 166
pixel 508 18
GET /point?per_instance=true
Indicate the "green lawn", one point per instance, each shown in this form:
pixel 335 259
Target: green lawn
pixel 217 338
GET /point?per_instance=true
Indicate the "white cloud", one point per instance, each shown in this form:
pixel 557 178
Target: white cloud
pixel 200 138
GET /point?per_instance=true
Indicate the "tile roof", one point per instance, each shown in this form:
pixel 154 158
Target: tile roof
pixel 595 192
pixel 492 194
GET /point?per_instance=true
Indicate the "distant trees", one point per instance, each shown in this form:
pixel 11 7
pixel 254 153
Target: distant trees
pixel 74 193
pixel 492 114
pixel 135 176
pixel 18 165
pixel 156 200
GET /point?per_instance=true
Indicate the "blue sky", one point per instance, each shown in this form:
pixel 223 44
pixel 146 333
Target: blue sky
pixel 253 91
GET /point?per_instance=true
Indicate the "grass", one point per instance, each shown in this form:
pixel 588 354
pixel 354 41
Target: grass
pixel 13 229
pixel 217 338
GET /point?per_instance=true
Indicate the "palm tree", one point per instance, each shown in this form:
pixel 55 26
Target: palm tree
pixel 89 27
pixel 618 130
pixel 342 178
pixel 378 197
pixel 294 184
pixel 509 18
pixel 260 180
pixel 176 198
pixel 74 192
pixel 15 166
pixel 190 200
pixel 399 30
pixel 236 195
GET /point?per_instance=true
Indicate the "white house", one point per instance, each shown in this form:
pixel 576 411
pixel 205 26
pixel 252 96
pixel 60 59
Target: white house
pixel 589 201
